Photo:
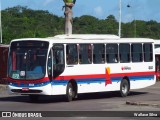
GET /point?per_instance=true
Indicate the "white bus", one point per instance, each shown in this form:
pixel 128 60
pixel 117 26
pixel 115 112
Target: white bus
pixel 70 65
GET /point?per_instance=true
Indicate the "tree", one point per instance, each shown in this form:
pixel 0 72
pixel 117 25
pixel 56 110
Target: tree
pixel 112 25
pixel 85 24
pixel 22 22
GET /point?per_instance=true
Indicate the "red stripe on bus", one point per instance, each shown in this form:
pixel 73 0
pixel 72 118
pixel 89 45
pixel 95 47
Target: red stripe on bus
pixel 104 75
pixel 45 79
pixel 133 74
pixel 69 77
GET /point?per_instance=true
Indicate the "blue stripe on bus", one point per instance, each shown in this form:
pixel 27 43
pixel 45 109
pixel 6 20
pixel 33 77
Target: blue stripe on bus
pixel 29 85
pixel 98 80
pixel 83 81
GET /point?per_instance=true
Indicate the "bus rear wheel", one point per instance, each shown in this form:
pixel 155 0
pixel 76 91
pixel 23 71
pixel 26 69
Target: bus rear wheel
pixel 124 88
pixel 69 92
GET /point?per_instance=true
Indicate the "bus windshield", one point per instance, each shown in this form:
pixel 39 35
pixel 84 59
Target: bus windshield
pixel 27 60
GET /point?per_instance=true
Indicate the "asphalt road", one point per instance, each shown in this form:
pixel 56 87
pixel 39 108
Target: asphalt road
pixel 147 99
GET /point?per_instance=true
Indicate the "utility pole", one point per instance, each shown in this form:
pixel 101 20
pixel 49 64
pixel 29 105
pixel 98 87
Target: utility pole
pixel 120 17
pixel 68 15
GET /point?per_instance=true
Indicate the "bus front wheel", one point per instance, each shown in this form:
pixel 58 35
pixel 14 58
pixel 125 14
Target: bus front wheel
pixel 69 92
pixel 124 88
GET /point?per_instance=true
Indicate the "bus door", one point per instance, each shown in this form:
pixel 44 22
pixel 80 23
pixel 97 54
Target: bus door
pixel 55 64
pixel 58 60
pixel 50 66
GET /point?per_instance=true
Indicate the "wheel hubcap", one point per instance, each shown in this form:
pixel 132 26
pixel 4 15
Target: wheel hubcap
pixel 70 91
pixel 124 88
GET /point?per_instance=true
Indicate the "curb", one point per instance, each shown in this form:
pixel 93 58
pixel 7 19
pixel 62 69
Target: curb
pixel 143 103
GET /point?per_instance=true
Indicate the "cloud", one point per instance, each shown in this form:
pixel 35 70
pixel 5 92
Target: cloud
pixel 98 11
pixel 46 2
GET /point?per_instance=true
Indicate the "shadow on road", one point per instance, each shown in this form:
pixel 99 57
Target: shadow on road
pixel 104 95
pixel 55 99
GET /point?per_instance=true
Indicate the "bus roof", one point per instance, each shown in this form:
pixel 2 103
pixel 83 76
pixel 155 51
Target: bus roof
pixel 157 42
pixel 87 38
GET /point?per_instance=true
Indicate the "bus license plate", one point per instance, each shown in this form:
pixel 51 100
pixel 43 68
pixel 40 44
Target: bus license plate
pixel 25 89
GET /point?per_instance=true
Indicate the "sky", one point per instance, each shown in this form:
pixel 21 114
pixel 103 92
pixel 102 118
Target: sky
pixel 139 9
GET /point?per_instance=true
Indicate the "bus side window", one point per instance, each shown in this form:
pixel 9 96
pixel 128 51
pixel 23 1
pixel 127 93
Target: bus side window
pixel 136 52
pixel 124 52
pixel 148 53
pixel 98 53
pixel 71 54
pixel 85 54
pixel 112 53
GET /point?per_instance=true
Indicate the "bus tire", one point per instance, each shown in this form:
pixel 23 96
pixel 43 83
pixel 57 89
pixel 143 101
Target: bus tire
pixel 75 95
pixel 124 88
pixel 69 92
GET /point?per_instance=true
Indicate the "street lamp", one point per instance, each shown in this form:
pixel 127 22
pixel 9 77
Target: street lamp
pixel 134 23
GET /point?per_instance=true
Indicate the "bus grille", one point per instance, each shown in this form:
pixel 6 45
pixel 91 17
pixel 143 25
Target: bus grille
pixel 29 91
